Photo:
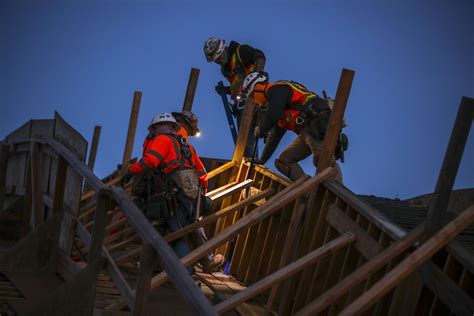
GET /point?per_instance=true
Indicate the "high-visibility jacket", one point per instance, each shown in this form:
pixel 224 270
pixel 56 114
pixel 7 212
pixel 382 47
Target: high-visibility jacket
pixel 165 151
pixel 182 132
pixel 238 72
pixel 299 98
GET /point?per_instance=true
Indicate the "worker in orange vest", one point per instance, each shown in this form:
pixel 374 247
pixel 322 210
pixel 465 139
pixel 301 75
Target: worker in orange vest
pixel 289 106
pixel 188 126
pixel 171 155
pixel 236 60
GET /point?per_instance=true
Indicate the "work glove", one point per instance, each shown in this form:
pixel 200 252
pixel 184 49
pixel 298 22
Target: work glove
pixel 257 132
pixel 126 177
pixel 222 89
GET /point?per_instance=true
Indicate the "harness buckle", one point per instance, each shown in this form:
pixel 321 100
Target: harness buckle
pixel 299 120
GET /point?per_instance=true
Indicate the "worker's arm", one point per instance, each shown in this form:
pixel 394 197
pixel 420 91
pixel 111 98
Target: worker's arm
pixel 273 139
pixel 277 98
pixel 153 156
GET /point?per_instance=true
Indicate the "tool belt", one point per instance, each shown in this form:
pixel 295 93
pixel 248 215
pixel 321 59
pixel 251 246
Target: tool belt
pixel 314 117
pixel 186 181
pixel 160 207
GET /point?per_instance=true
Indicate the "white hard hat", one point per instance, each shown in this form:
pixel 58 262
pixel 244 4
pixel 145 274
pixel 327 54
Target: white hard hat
pixel 251 80
pixel 163 118
pixel 213 48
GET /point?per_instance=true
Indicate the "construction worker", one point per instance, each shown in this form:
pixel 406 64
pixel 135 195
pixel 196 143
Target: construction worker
pixel 237 61
pixel 188 126
pixel 289 106
pixel 182 172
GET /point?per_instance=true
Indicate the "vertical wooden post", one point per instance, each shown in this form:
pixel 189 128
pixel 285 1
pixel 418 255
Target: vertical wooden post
pixel 98 230
pixel 3 173
pixel 449 170
pixel 36 180
pixel 336 119
pixel 147 261
pixel 95 144
pixel 132 126
pixel 191 90
pixel 247 122
pixel 60 186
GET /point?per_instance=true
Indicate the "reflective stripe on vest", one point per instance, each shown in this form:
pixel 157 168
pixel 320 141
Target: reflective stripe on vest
pixel 300 96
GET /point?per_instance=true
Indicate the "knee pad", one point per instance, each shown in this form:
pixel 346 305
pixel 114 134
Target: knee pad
pixel 282 167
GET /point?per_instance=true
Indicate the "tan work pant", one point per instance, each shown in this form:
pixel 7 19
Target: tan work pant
pixel 299 149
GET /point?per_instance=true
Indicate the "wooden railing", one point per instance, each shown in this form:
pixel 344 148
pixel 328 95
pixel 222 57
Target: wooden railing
pixel 115 195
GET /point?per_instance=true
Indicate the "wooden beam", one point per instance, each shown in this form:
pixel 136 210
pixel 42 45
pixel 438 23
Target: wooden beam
pixel 36 181
pixel 147 262
pixel 3 173
pixel 462 254
pixel 339 290
pixel 336 119
pixel 220 169
pixel 94 146
pixel 60 186
pixel 366 245
pixel 247 122
pixel 288 248
pixel 132 126
pixel 191 89
pixel 449 170
pixel 276 203
pixel 169 261
pixel 286 272
pixel 446 290
pixel 412 262
pixel 98 230
pixel 230 191
pixel 213 217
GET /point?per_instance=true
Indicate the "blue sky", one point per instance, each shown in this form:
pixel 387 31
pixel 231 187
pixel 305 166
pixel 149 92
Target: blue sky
pixel 413 62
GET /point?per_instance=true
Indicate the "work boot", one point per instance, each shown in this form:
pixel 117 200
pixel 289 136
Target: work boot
pixel 210 266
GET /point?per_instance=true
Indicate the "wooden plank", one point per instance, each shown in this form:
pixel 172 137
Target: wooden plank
pixel 67 268
pixel 340 289
pixel 36 180
pixel 246 123
pixel 236 188
pixel 274 204
pixel 447 290
pixel 3 173
pixel 449 169
pixel 191 89
pixel 98 231
pixel 342 223
pixel 412 262
pixel 285 272
pixel 132 127
pixel 168 259
pixel 462 254
pixel 365 209
pixel 147 262
pixel 336 119
pixel 60 185
pixel 288 248
pixel 94 146
pixel 219 170
pixel 214 216
pixel 16 173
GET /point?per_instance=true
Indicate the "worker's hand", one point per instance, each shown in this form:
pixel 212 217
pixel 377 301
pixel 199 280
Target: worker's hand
pixel 126 177
pixel 257 132
pixel 222 89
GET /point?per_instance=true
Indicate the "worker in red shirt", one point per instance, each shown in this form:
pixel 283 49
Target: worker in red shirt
pixel 290 106
pixel 188 126
pixel 170 155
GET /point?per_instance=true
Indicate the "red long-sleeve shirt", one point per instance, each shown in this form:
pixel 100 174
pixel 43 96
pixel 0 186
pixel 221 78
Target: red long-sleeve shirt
pixel 165 151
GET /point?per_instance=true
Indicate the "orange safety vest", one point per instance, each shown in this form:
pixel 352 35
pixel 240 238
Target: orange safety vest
pixel 301 95
pixel 168 151
pixel 238 72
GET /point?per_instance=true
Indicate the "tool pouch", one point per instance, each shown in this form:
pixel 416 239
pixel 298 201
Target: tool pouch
pixel 187 182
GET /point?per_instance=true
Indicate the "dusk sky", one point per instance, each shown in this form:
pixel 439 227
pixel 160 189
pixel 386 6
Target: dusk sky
pixel 414 60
